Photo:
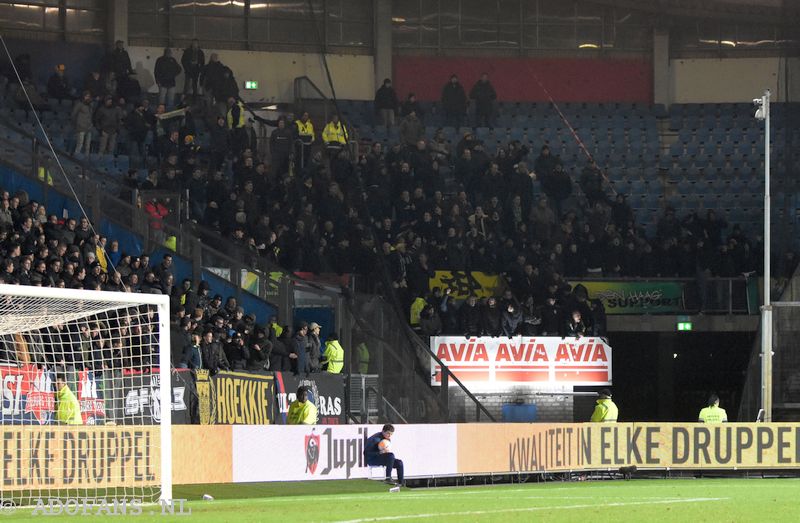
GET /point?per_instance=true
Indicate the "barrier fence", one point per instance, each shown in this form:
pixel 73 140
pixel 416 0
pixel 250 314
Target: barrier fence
pixel 70 457
pixel 124 398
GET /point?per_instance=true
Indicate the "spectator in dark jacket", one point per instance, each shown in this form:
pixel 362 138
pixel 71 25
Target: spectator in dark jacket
pixel 279 356
pixel 299 350
pixel 108 119
pixel 58 86
pixel 167 69
pixel 411 130
pixel 575 325
pixel 430 323
pixel 551 315
pixel 492 318
pixel 386 103
pixel 94 85
pixel 82 123
pixel 454 103
pixel 280 143
pixel 119 62
pixel 237 352
pixel 470 317
pixel 411 105
pixel 193 61
pixel 314 347
pixel 484 95
pixel 138 126
pixel 214 358
pixel 192 357
pixel 512 320
pixel 212 79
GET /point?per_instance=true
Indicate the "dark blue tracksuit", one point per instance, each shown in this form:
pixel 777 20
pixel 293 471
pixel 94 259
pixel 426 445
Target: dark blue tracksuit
pixel 375 459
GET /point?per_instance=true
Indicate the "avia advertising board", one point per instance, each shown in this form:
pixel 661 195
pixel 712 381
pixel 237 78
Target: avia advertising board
pixel 307 452
pixel 492 364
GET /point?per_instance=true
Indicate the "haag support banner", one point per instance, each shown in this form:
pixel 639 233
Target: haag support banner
pixel 637 297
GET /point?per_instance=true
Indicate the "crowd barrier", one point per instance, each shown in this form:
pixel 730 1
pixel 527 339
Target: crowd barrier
pixel 107 456
pixel 125 398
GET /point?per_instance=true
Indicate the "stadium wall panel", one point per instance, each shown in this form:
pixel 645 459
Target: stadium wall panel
pixel 515 79
pixel 734 80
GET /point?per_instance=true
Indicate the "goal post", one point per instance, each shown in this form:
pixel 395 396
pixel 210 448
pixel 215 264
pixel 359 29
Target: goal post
pixel 67 360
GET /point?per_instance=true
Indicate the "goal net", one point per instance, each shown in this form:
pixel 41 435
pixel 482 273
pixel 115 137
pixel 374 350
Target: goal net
pixel 67 434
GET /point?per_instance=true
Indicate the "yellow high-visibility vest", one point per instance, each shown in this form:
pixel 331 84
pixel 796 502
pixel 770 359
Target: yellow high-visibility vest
pixel 305 130
pixel 240 122
pixel 334 133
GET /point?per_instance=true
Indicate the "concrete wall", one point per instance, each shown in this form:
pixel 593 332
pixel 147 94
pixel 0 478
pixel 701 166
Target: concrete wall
pixel 275 72
pixel 549 408
pixel 724 80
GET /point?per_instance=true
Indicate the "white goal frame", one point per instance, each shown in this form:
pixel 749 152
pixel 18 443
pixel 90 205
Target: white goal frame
pixel 161 302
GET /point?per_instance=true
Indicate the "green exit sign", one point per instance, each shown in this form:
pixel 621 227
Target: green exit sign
pixel 684 325
pixel 251 84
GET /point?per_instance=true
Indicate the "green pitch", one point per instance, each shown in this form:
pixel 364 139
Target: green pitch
pixel 692 500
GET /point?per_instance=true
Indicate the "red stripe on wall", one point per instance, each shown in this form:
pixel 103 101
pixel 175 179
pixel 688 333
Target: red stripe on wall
pixel 514 79
pixel 588 377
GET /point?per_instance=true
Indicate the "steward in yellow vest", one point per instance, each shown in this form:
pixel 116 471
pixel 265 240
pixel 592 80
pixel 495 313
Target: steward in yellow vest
pixel 334 132
pixel 305 129
pixel 334 354
pixel 606 410
pixel 302 411
pixel 236 116
pixel 712 413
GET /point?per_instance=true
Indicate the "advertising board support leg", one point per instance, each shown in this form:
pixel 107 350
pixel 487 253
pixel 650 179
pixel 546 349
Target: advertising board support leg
pixel 444 392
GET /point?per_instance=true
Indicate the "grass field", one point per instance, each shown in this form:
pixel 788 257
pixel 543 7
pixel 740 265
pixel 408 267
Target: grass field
pixel 684 500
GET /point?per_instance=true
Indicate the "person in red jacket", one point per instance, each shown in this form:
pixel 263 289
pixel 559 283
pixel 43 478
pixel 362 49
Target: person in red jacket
pixel 156 211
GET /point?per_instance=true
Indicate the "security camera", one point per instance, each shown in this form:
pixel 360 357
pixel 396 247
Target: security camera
pixel 760 115
pixel 757 101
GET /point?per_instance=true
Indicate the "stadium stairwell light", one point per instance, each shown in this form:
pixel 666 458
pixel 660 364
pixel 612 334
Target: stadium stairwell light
pixel 762 113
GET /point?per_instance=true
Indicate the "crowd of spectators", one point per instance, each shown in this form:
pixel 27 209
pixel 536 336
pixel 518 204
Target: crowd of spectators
pixel 410 207
pixel 39 249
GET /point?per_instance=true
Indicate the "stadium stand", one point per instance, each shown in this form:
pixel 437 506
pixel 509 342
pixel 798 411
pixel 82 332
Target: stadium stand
pixel 672 193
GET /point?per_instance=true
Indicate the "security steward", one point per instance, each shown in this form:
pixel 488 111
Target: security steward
pixel 236 121
pixel 334 134
pixel 712 413
pixel 606 410
pixel 305 138
pixel 302 411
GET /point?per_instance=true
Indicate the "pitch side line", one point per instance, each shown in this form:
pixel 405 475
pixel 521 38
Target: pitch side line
pixel 531 509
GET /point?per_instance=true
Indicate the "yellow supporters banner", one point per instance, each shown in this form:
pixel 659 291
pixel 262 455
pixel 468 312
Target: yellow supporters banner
pixel 49 457
pixel 250 281
pixel 462 283
pixel 235 398
pixel 499 448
